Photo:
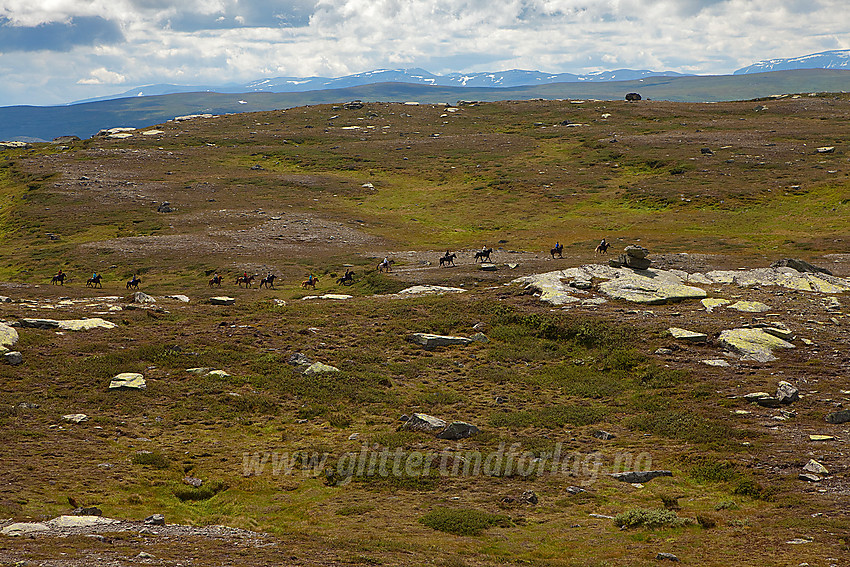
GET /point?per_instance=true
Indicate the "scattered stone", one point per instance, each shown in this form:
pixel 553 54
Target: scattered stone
pixel 88 511
pixel 23 528
pixel 663 351
pixel 13 357
pixel 821 438
pixel 192 481
pixel 487 267
pixel 650 289
pixel 479 338
pixel 575 490
pixel 529 497
pixel 128 381
pixel 667 556
pixel 798 541
pixel 218 374
pixel 639 476
pixel 686 335
pixel 319 368
pixel 749 307
pixel 144 555
pixel 222 300
pixel 155 520
pixel 457 430
pixel 424 422
pixel 429 341
pixel 79 521
pixel 753 344
pixel 141 297
pixel 718 362
pixel 429 290
pixel 711 302
pixel 786 393
pixel 769 402
pixel 838 417
pixel 300 359
pixel 199 370
pixel 8 335
pixel 178 297
pixel 604 435
pixel 755 396
pixel 164 207
pixel 815 467
pixel 39 323
pixel 826 149
pixel 800 265
pixel 76 417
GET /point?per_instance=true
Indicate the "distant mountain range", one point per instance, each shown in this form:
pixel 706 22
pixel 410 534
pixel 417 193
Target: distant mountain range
pixel 41 123
pixel 500 79
pixel 836 59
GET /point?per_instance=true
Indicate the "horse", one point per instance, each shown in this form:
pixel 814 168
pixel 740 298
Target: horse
pixel 94 281
pixel 134 283
pixel 386 266
pixel 59 279
pixel 310 282
pixel 216 280
pixel 602 248
pixel 483 254
pixel 347 279
pixel 559 250
pixel 247 280
pixel 448 260
pixel 268 281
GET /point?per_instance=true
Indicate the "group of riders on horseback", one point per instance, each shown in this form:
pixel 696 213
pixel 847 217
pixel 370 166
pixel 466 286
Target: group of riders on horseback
pixel 346 279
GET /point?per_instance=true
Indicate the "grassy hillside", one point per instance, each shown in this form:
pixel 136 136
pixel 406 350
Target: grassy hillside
pixel 320 189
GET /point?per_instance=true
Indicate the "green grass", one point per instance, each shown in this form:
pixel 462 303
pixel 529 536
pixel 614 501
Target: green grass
pixel 463 522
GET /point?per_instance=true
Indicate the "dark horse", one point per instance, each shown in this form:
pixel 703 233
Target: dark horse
pixel 94 281
pixel 483 254
pixel 558 249
pixel 268 281
pixel 216 280
pixel 448 260
pixel 134 283
pixel 59 278
pixel 346 279
pixel 602 248
pixel 247 280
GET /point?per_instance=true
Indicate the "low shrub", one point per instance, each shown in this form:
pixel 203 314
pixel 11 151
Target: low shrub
pixel 463 521
pixel 151 459
pixel 203 492
pixel 650 518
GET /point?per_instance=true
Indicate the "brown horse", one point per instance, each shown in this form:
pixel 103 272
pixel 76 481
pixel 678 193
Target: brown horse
pixel 347 279
pixel 134 282
pixel 268 281
pixel 448 260
pixel 602 248
pixel 216 280
pixel 559 250
pixel 94 281
pixel 483 254
pixel 247 280
pixel 59 278
pixel 310 282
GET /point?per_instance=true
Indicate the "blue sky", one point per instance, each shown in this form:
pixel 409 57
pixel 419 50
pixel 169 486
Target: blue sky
pixel 56 51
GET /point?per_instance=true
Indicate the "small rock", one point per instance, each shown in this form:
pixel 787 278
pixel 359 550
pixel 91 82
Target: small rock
pixel 88 511
pixel 319 368
pixel 787 393
pixel 487 267
pixel 755 396
pixel 300 359
pixel 14 358
pixel 155 520
pixel 837 417
pixel 429 341
pixel 667 556
pixel 716 362
pixel 222 300
pixel 575 490
pixel 808 477
pixel 144 555
pixel 192 481
pixel 604 435
pixel 663 351
pixel 128 381
pixel 479 338
pixel 821 438
pixel 529 497
pixel 424 422
pixel 686 335
pixel 76 417
pixel 815 467
pixel 769 402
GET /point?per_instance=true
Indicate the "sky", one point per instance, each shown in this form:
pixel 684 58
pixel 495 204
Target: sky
pixel 58 51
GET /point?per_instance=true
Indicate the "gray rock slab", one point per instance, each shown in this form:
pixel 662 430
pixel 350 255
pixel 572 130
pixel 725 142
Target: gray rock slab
pixel 639 476
pixel 458 430
pixel 141 297
pixel 425 422
pixel 837 417
pixel 24 528
pixel 429 290
pixel 429 341
pixel 80 521
pixel 39 323
pixel 487 267
pixel 179 297
pixel 222 300
pixel 86 324
pixel 787 393
pixel 686 335
pixel 13 357
pixel 128 381
pixel 650 287
pixel 319 368
pixel 815 467
pixel 753 344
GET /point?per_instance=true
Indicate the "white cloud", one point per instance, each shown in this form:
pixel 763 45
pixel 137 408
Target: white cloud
pixel 103 76
pixel 214 41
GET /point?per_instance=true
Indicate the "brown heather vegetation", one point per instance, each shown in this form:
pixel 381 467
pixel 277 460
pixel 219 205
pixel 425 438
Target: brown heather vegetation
pixel 410 182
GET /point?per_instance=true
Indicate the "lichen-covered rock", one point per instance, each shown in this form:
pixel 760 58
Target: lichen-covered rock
pixel 652 287
pixel 429 341
pixel 86 324
pixel 711 302
pixel 222 300
pixel 319 368
pixel 8 335
pixel 838 417
pixel 749 306
pixel 424 422
pixel 128 381
pixel 686 335
pixel 753 344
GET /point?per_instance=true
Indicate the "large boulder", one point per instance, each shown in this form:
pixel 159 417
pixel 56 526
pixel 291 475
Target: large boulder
pixel 650 287
pixel 800 266
pixel 86 324
pixel 753 344
pixel 786 393
pixel 424 422
pixel 8 335
pixel 319 368
pixel 837 417
pixel 458 430
pixel 39 323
